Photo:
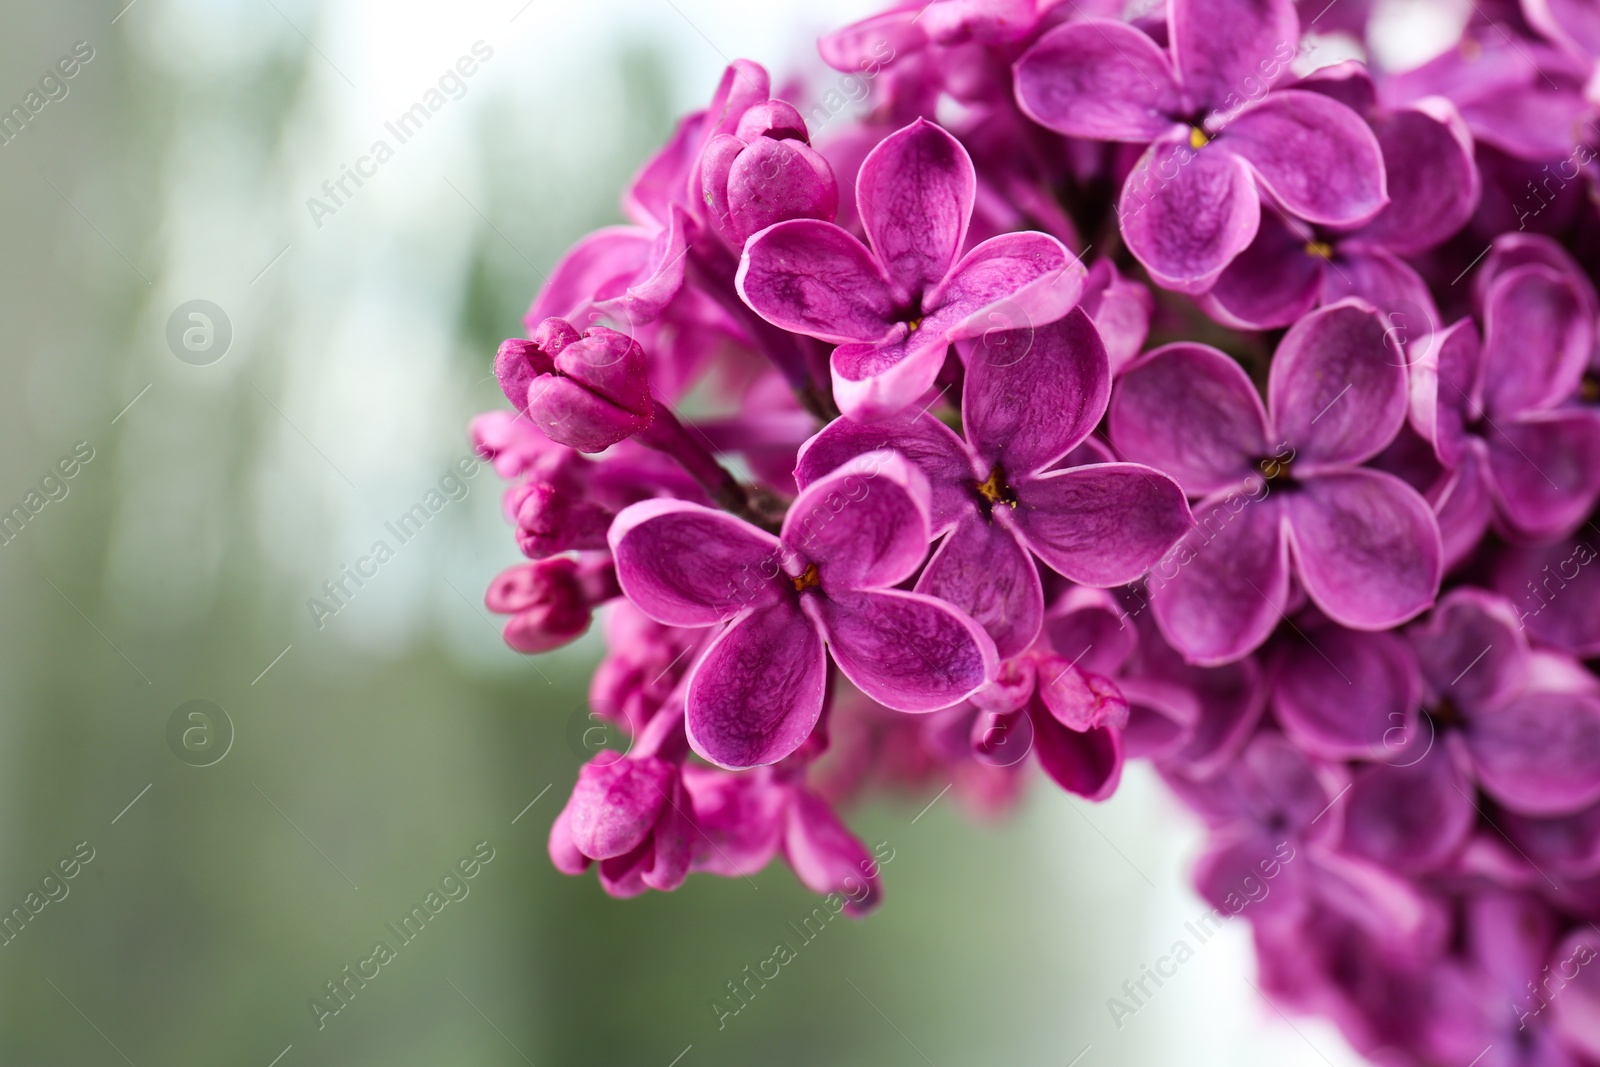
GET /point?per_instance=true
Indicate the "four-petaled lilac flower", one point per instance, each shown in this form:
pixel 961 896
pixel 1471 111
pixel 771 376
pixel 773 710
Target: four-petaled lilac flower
pixel 1363 543
pixel 1220 137
pixel 894 308
pixel 1031 397
pixel 826 579
pixel 1497 410
pixel 1433 188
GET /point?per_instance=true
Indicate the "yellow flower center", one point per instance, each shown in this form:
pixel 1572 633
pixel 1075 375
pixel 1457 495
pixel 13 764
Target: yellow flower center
pixel 1198 138
pixel 810 578
pixel 995 490
pixel 1319 248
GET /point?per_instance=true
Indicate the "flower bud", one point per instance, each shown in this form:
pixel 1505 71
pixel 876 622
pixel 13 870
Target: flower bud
pixel 551 601
pixel 765 172
pixel 585 391
pixel 551 520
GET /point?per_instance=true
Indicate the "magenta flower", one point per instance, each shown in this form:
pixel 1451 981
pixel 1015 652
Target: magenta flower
pixel 1031 397
pixel 765 172
pixel 551 601
pixel 894 308
pixel 1497 411
pixel 587 391
pixel 1433 187
pixel 1284 490
pixel 826 580
pixel 1220 137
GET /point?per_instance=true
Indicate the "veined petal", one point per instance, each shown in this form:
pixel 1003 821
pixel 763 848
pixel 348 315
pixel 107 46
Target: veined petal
pixel 1225 48
pixel 756 694
pixel 1544 471
pixel 1105 524
pixel 1316 156
pixel 1337 387
pixel 1538 335
pixel 1366 547
pixel 811 277
pixel 1192 411
pixel 907 651
pixel 915 193
pixel 981 569
pixel 1098 79
pixel 1221 593
pixel 1343 694
pixel 874 380
pixel 1272 283
pixel 1430 176
pixel 936 450
pixel 1013 281
pixel 687 565
pixel 1031 401
pixel 865 524
pixel 1186 213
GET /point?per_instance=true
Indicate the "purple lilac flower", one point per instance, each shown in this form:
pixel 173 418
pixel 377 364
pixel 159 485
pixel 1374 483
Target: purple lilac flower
pixel 826 580
pixel 1363 544
pixel 1292 266
pixel 1220 135
pixel 1031 397
pixel 894 308
pixel 1497 410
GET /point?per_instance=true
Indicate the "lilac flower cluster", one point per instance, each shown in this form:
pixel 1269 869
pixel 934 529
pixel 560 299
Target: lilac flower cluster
pixel 1111 387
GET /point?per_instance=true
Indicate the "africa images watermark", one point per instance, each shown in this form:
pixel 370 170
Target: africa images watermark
pixel 52 488
pixel 52 88
pixel 53 889
pixel 341 589
pixel 337 191
pixel 453 886
pixel 783 953
pixel 1250 890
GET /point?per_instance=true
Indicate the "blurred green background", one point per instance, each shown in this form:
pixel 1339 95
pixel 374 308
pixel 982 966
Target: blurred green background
pixel 368 755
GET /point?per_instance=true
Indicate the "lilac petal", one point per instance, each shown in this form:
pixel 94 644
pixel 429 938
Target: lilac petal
pixel 1576 24
pixel 1575 1016
pixel 1556 593
pixel 982 570
pixel 1393 287
pixel 1570 844
pixel 615 804
pixel 1225 704
pixel 1411 816
pixel 1337 387
pixel 1027 409
pixel 826 856
pixel 1349 82
pixel 1471 649
pixel 1545 471
pixel 874 380
pixel 1190 410
pixel 1444 383
pixel 1540 753
pixel 1224 48
pixel 1232 875
pixel 687 565
pixel 1314 155
pixel 1538 334
pixel 1185 213
pixel 1342 694
pixel 1105 524
pixel 1088 763
pixel 936 450
pixel 756 694
pixel 672 844
pixel 1078 699
pixel 1224 591
pixel 1121 311
pixel 661 278
pixel 1366 547
pixel 1272 283
pixel 861 46
pixel 597 267
pixel 1010 282
pixel 739 817
pixel 1089 627
pixel 907 651
pixel 1430 176
pixel 915 193
pixel 1098 79
pixel 811 277
pixel 564 855
pixel 1464 507
pixel 865 525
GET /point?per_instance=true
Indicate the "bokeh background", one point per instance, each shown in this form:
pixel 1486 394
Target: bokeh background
pixel 350 764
